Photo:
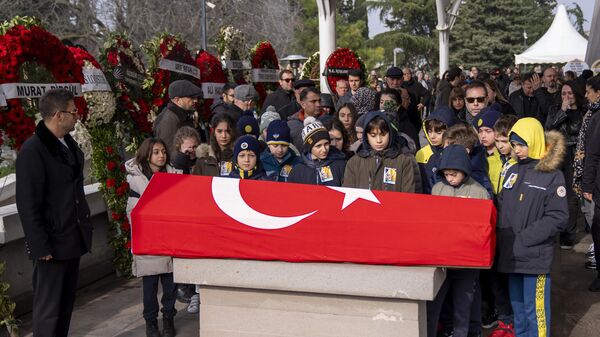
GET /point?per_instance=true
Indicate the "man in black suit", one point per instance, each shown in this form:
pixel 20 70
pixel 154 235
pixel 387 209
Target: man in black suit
pixel 53 211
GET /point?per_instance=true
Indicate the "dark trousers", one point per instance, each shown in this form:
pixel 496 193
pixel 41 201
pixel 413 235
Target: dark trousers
pixel 568 235
pixel 54 287
pixel 463 284
pixel 169 295
pixel 596 236
pixel 495 293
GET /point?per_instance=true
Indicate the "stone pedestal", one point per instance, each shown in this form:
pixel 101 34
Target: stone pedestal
pixel 270 298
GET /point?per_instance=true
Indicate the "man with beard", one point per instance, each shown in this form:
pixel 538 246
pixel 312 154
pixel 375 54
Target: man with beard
pixel 184 96
pixel 284 94
pixel 54 213
pixel 546 91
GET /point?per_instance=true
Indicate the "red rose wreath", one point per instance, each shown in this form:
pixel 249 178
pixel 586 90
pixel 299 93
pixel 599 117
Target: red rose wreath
pixel 263 56
pixel 338 64
pixel 26 48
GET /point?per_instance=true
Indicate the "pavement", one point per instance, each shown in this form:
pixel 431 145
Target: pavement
pixel 113 306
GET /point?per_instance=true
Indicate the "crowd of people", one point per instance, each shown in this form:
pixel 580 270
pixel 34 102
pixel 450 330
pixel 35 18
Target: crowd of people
pixel 528 142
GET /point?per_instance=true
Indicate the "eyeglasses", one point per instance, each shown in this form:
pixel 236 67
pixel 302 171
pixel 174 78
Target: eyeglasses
pixel 480 99
pixel 74 112
pixel 287 80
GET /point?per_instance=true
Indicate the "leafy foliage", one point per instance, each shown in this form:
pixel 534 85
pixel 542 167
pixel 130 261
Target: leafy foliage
pixel 487 34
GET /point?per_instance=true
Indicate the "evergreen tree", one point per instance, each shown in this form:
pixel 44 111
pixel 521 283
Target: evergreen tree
pixel 487 34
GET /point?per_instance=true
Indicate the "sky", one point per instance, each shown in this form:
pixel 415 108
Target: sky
pixel 376 26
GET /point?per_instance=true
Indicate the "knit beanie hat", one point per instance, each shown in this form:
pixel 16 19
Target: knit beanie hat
pixel 278 132
pixel 245 143
pixel 487 118
pixel 313 132
pixel 267 117
pixel 517 139
pixel 247 124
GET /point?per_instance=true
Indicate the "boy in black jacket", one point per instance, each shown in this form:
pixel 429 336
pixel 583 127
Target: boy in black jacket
pixel 532 211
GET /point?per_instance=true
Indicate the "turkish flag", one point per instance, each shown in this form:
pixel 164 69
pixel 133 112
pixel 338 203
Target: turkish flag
pixel 205 217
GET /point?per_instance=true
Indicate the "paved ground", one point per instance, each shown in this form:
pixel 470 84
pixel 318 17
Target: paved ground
pixel 112 306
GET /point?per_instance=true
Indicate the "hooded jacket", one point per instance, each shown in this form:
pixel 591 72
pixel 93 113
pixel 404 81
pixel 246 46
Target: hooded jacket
pixel 207 163
pixel 144 265
pixel 328 172
pixel 532 206
pixel 455 157
pixel 428 156
pixel 387 170
pixel 279 171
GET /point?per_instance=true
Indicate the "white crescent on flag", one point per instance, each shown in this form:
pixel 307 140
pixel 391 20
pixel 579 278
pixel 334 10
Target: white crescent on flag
pixel 227 196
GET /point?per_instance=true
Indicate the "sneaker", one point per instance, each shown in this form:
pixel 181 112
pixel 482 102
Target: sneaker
pixel 489 320
pixel 591 248
pixel 503 330
pixel 591 265
pixel 194 305
pixel 590 255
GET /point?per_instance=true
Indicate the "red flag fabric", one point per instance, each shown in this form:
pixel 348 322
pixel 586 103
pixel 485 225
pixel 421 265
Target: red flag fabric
pixel 210 217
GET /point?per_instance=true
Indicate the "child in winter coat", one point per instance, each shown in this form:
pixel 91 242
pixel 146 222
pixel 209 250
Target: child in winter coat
pixel 278 160
pixel 484 124
pixel 454 170
pixel 246 162
pixel 321 163
pixel 502 128
pixel 532 210
pixel 152 157
pixel 428 156
pixel 215 159
pixel 379 163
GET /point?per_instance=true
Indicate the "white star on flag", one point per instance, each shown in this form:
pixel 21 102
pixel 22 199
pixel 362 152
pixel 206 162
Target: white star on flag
pixel 353 194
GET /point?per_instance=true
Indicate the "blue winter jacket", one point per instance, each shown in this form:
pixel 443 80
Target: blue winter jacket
pixel 279 171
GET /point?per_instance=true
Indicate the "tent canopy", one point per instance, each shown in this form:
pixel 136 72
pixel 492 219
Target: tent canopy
pixel 561 43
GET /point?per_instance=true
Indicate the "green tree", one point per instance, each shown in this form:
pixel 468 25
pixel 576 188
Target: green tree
pixel 412 28
pixel 351 31
pixel 487 34
pixel 577 18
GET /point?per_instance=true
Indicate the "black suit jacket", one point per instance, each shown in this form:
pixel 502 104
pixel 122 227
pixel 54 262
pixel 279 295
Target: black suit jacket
pixel 50 198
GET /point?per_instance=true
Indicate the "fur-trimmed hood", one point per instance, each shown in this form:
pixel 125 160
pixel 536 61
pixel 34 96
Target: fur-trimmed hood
pixel 547 147
pixel 555 152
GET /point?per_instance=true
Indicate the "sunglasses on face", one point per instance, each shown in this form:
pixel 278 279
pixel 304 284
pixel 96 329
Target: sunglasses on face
pixel 480 99
pixel 287 80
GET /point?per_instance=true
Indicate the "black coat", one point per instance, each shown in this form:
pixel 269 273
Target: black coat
pixel 50 199
pixel 289 109
pixel 278 99
pixel 546 101
pixel 520 103
pixel 591 167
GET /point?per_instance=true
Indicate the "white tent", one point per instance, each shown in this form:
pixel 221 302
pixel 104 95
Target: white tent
pixel 561 43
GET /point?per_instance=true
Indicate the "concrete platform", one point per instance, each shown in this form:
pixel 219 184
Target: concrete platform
pixel 112 306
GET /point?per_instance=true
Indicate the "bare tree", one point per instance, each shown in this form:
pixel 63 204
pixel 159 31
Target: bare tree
pixel 86 22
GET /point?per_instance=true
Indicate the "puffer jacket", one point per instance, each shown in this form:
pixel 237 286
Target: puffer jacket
pixel 276 170
pixel 144 265
pixel 387 170
pixel 328 172
pixel 207 163
pixel 532 205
